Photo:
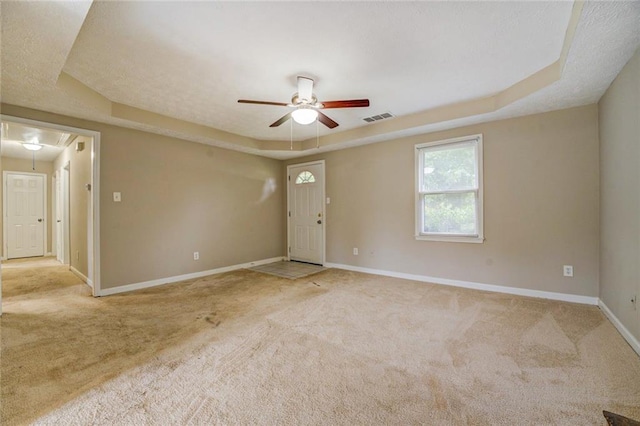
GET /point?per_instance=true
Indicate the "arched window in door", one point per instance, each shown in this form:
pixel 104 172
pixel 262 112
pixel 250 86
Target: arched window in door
pixel 305 177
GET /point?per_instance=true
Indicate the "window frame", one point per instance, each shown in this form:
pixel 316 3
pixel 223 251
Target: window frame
pixel 303 182
pixel 419 195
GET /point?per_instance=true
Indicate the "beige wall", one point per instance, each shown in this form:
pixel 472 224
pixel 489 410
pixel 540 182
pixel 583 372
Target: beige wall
pixel 177 197
pixel 22 165
pixel 79 198
pixel 540 206
pixel 619 119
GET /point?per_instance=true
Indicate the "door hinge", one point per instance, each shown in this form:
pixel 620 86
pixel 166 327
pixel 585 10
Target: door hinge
pixel 289 249
pixel 289 177
pixel 289 214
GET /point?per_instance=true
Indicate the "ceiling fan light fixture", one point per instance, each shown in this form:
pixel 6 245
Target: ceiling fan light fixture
pixel 305 106
pixel 34 145
pixel 304 115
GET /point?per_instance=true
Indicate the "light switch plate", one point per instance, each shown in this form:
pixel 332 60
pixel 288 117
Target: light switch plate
pixel 117 197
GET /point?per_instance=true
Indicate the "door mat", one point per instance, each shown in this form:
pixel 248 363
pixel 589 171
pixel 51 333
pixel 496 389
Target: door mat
pixel 291 270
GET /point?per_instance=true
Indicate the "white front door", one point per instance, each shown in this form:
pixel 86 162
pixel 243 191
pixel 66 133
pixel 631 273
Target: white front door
pixel 306 212
pixel 25 215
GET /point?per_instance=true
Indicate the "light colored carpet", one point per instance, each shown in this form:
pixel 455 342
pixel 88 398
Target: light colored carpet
pixel 343 348
pixel 286 269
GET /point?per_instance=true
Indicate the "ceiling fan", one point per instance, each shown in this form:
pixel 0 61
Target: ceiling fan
pixel 307 106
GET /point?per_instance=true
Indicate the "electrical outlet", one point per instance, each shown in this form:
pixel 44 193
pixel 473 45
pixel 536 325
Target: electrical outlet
pixel 567 270
pixel 196 255
pixel 355 251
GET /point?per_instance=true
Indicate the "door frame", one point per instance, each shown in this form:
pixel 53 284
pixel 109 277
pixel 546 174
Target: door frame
pixel 54 196
pixel 61 177
pixel 93 217
pixel 5 242
pixel 321 163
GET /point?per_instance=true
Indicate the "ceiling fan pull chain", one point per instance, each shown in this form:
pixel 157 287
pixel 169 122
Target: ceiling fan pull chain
pixel 317 134
pixel 291 134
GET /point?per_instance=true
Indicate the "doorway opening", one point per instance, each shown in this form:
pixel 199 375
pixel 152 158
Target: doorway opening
pixel 67 160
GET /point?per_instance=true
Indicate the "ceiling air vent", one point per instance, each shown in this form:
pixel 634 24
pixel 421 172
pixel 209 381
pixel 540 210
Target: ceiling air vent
pixel 66 139
pixel 378 117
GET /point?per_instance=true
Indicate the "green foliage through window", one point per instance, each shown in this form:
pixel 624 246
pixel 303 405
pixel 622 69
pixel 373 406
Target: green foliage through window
pixel 450 168
pixel 448 182
pixel 450 214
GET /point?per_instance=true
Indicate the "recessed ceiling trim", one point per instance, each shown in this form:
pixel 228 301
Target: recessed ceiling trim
pixel 517 91
pixel 84 94
pixel 216 137
pixel 129 113
pixel 576 12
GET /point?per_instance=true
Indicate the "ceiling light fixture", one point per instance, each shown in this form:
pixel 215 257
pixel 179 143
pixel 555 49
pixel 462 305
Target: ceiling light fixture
pixel 34 145
pixel 304 115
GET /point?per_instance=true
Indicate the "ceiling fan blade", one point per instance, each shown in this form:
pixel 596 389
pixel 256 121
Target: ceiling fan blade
pixel 326 121
pixel 281 120
pixel 353 103
pixel 247 101
pixel 305 88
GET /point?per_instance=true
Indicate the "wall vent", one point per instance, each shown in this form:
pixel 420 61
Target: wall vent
pixel 378 117
pixel 65 140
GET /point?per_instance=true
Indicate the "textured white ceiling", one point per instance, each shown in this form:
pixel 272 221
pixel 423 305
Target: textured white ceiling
pixel 14 149
pixel 14 134
pixel 193 60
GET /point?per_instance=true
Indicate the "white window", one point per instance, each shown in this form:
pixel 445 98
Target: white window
pixel 449 190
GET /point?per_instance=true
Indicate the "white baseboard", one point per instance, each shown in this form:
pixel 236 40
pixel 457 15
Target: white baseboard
pixel 80 275
pixel 574 298
pixel 633 342
pixel 3 258
pixel 168 280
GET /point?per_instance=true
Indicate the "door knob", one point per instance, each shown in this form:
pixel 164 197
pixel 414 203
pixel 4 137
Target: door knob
pixel 319 222
pixel 39 220
pixel 58 221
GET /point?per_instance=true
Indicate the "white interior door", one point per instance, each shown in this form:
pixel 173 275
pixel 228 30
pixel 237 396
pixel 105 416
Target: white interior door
pixel 58 218
pixel 25 215
pixel 306 212
pixel 62 214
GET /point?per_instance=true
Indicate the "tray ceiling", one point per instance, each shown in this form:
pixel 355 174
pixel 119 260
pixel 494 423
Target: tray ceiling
pixel 178 68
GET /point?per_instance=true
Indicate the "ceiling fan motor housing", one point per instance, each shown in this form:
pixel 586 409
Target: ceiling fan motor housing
pixel 297 101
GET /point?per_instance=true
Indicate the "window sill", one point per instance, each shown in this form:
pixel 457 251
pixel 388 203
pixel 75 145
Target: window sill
pixel 450 238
